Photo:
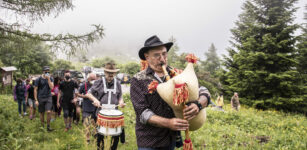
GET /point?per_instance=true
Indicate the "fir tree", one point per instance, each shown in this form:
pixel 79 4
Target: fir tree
pixel 302 50
pixel 172 55
pixel 301 58
pixel 261 63
pixel 212 62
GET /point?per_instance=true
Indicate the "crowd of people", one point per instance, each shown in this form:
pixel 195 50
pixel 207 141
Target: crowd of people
pixel 54 96
pixel 156 125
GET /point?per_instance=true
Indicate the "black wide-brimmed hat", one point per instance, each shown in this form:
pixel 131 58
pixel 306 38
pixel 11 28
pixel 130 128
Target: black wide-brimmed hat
pixel 152 42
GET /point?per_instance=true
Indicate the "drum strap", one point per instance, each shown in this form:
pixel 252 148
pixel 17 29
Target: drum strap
pixel 109 91
pixel 85 86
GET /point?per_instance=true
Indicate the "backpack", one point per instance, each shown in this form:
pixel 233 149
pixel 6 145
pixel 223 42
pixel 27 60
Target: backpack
pixel 20 90
pixel 39 83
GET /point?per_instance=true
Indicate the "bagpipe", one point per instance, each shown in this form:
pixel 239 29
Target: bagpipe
pixel 178 91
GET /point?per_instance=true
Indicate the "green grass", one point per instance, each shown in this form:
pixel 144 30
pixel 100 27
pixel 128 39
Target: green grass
pixel 22 133
pixel 246 129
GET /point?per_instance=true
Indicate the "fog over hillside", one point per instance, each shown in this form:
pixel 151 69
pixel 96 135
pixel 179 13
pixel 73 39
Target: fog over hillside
pixel 128 23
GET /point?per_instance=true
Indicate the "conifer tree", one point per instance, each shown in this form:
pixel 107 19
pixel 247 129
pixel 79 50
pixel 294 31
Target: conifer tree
pixel 212 62
pixel 302 50
pixel 261 63
pixel 172 55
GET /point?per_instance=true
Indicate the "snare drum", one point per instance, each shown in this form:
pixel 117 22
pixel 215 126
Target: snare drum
pixel 110 122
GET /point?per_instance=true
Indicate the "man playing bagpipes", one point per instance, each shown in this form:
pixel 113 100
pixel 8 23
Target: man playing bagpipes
pixel 156 124
pixel 106 94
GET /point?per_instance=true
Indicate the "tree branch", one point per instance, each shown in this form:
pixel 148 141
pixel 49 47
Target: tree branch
pixel 67 43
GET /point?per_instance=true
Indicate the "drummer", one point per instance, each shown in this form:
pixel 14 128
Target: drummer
pixel 156 125
pixel 98 96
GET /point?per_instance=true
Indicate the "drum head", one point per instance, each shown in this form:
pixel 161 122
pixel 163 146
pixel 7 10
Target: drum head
pixel 110 112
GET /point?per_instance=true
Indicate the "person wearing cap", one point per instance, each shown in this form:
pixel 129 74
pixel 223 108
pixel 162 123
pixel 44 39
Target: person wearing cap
pixel 67 88
pixel 156 125
pixel 99 94
pixel 42 95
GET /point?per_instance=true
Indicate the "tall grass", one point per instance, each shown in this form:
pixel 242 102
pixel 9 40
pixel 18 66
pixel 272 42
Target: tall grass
pixel 246 129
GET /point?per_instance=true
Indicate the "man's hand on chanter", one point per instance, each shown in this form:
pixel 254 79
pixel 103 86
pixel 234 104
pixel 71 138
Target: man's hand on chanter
pixel 190 111
pixel 177 124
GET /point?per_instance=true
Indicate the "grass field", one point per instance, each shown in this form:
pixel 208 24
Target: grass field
pixel 246 129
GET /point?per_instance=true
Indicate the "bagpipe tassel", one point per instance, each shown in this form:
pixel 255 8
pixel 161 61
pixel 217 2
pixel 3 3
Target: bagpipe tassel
pixel 181 94
pixel 152 87
pixel 144 65
pixel 191 58
pixel 187 145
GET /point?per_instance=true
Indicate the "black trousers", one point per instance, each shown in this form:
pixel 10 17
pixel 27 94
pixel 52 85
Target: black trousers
pixel 114 140
pixel 68 110
pixel 100 142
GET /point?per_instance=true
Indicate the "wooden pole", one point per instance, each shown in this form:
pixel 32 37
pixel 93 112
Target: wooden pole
pixel 11 79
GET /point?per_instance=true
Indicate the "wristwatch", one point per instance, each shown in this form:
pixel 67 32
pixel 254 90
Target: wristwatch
pixel 200 107
pixel 197 103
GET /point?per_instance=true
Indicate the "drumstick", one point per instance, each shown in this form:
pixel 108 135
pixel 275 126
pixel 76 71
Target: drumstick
pixel 102 106
pixel 114 106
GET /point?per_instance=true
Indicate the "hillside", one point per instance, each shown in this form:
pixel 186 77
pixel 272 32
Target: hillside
pixel 247 129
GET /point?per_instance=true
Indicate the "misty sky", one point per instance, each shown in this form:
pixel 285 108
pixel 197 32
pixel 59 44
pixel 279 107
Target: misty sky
pixel 128 23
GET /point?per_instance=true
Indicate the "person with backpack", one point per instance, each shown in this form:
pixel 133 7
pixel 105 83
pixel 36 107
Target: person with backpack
pixel 88 109
pixel 43 97
pixel 20 93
